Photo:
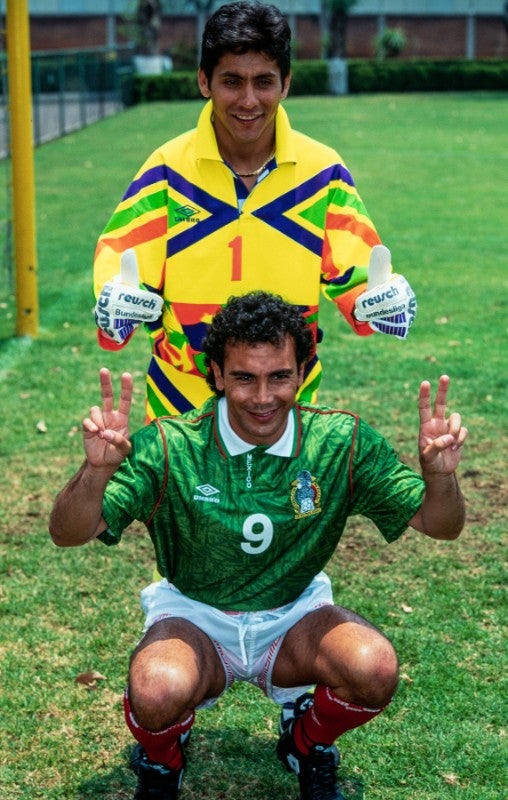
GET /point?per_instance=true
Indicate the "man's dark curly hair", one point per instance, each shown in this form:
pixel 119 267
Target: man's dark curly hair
pixel 254 318
pixel 240 27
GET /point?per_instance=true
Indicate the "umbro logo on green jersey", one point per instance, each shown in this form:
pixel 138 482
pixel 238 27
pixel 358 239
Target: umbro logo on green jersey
pixel 207 489
pixel 207 493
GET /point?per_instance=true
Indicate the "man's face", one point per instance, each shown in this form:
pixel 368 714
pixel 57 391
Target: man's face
pixel 246 91
pixel 260 382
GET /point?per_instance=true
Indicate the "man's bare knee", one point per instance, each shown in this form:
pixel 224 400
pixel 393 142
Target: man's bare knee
pixel 372 675
pixel 173 669
pixel 160 694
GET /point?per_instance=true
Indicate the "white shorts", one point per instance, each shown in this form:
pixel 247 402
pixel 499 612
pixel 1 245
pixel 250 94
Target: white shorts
pixel 247 643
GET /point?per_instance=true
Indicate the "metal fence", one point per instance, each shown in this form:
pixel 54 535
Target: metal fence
pixel 70 89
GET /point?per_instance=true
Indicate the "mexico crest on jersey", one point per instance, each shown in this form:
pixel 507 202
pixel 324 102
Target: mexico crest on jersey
pixel 305 495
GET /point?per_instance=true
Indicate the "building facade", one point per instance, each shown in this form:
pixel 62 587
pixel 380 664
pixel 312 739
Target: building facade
pixel 432 28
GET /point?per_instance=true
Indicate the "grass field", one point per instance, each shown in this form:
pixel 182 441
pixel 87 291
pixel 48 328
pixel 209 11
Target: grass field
pixel 431 170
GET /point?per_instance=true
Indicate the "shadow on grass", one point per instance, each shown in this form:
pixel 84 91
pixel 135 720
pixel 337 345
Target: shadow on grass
pixel 12 347
pixel 230 764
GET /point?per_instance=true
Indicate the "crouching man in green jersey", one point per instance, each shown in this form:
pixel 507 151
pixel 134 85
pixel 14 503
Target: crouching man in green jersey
pixel 245 501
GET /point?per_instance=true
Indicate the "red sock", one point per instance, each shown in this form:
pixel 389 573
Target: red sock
pixel 328 718
pixel 161 746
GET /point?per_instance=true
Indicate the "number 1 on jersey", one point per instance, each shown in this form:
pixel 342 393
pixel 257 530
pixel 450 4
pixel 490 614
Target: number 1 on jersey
pixel 236 267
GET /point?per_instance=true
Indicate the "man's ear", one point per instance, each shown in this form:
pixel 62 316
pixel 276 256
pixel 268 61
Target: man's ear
pixel 203 84
pixel 285 87
pixel 217 374
pixel 301 374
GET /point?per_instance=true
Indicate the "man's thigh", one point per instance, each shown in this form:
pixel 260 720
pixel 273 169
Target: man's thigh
pixel 333 646
pixel 176 650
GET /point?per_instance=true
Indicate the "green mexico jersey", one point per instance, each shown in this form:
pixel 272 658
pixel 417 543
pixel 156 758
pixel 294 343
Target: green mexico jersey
pixel 247 528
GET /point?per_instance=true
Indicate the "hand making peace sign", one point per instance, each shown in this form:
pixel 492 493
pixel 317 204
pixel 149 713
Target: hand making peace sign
pixel 440 438
pixel 106 430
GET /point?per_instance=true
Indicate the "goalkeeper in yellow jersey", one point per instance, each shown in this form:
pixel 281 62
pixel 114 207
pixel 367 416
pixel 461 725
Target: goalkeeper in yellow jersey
pixel 240 203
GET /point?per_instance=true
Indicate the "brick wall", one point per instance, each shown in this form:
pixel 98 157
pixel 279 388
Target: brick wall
pixel 56 33
pixel 427 37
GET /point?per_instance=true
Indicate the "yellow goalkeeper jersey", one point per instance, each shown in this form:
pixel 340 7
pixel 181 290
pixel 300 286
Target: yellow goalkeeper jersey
pixel 200 237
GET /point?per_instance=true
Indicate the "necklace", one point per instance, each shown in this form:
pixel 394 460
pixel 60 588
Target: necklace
pixel 256 172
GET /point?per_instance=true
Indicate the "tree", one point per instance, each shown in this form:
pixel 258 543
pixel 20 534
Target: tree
pixel 203 9
pixel 390 43
pixel 148 20
pixel 148 25
pixel 336 16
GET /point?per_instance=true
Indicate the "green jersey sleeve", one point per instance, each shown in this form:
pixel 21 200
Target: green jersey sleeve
pixel 385 490
pixel 135 489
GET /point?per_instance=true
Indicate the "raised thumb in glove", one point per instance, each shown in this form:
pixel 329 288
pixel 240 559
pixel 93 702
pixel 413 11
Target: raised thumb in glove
pixel 122 304
pixel 386 295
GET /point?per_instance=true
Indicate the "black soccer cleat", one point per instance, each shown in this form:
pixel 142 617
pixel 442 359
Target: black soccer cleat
pixel 293 710
pixel 155 781
pixel 316 772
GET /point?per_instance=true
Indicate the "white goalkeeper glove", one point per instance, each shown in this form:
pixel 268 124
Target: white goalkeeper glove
pixel 122 305
pixel 389 303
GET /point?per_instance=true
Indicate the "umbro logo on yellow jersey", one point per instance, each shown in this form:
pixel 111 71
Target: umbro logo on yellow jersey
pixel 186 214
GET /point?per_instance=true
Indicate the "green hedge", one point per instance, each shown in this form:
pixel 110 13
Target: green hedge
pixel 427 76
pixel 170 86
pixel 311 78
